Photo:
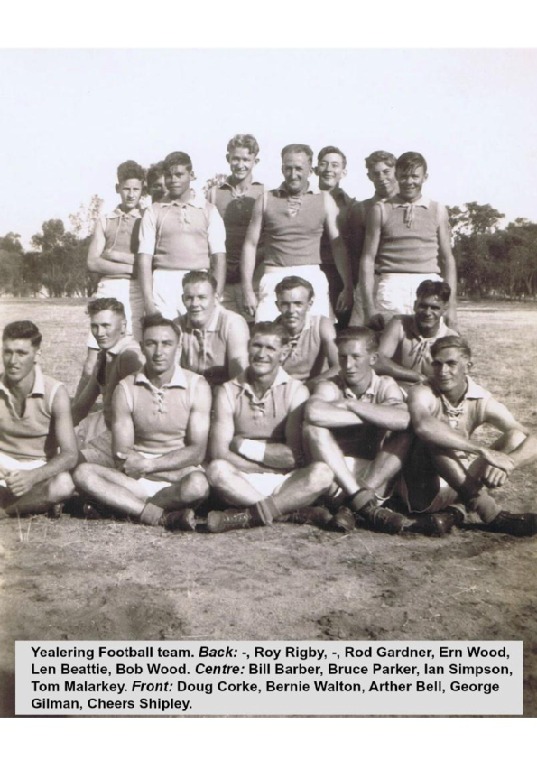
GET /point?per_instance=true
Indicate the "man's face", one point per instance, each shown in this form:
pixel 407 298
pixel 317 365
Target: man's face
pixel 330 171
pixel 410 183
pixel 19 357
pixel 355 361
pixel 382 176
pixel 130 193
pixel 158 189
pixel 265 354
pixel 450 369
pixel 177 179
pixel 199 299
pixel 294 304
pixel 296 169
pixel 107 327
pixel 241 164
pixel 428 311
pixel 159 346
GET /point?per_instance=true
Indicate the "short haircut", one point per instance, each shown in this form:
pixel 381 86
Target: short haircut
pixel 331 149
pixel 380 157
pixel 268 328
pixel 157 320
pixel 288 283
pixel 191 278
pixel 23 329
pixel 243 141
pixel 106 304
pixel 298 148
pixel 154 172
pixel 407 162
pixel 370 337
pixel 438 288
pixel 130 170
pixel 177 158
pixel 451 341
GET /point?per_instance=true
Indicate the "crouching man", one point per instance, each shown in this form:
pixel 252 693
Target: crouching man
pixel 444 415
pixel 37 439
pixel 160 427
pixel 357 424
pixel 256 441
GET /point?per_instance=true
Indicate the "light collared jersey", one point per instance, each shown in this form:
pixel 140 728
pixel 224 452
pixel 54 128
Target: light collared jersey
pixel 465 416
pixel 292 228
pixel 29 436
pixel 414 351
pixel 409 237
pixel 160 415
pixel 264 418
pixel 113 365
pixel 181 235
pixel 121 232
pixel 305 359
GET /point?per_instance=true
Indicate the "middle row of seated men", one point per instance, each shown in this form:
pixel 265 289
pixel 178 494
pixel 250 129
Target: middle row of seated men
pixel 274 452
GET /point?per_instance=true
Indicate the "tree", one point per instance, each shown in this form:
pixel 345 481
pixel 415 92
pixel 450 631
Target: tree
pixel 63 259
pixel 11 264
pixel 83 221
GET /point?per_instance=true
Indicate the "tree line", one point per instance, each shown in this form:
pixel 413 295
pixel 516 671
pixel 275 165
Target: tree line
pixel 492 261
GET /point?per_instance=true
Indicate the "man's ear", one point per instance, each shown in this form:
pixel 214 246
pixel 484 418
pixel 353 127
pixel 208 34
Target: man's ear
pixel 373 358
pixel 117 187
pixel 37 356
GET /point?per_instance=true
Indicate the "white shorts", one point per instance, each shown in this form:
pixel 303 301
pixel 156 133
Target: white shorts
pixel 152 487
pixel 266 483
pixel 393 294
pixel 9 463
pixel 128 292
pixel 267 311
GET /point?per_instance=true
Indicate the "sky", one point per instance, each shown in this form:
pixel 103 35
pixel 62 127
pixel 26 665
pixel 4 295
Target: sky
pixel 71 116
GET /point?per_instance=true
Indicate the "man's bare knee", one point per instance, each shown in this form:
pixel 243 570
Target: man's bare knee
pixel 60 487
pixel 194 487
pixel 218 472
pixel 82 475
pixel 321 476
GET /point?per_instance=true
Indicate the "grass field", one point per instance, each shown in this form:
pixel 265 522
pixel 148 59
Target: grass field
pixel 77 580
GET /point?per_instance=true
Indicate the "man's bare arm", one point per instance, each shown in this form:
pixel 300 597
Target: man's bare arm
pixel 448 265
pixel 82 404
pixel 145 278
pixel 98 263
pixel 237 347
pixel 248 258
pixel 339 252
pixel 367 263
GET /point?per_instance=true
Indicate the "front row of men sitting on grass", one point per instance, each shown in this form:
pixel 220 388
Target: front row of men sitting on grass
pixel 180 446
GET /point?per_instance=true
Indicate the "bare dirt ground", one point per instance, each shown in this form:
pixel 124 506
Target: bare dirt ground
pixel 77 580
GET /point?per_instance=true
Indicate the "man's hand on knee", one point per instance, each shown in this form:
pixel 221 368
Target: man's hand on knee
pixel 20 482
pixel 494 477
pixel 498 461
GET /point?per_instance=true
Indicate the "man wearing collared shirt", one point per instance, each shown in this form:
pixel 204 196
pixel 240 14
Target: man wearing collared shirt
pixel 357 424
pixel 407 241
pixel 235 200
pixel 331 168
pixel 119 355
pixel 37 440
pixel 380 166
pixel 160 426
pixel 256 441
pixel 292 219
pixel 214 340
pixel 310 341
pixel 445 413
pixel 112 255
pixel 177 235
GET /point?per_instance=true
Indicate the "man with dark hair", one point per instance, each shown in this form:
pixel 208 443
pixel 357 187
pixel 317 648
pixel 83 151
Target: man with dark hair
pixel 160 426
pixel 235 200
pixel 214 339
pixel 256 441
pixel 292 219
pixel 310 340
pixel 380 166
pixel 155 182
pixel 37 440
pixel 331 168
pixel 407 241
pixel 177 235
pixel 119 355
pixel 405 345
pixel 356 423
pixel 446 465
pixel 112 253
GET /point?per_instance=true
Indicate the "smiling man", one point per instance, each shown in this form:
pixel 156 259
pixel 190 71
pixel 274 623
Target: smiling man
pixel 118 356
pixel 356 424
pixel 444 416
pixel 292 219
pixel 160 426
pixel 407 241
pixel 214 340
pixel 37 440
pixel 177 235
pixel 256 441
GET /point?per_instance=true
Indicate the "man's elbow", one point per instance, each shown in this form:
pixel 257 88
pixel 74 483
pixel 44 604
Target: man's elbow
pixel 313 413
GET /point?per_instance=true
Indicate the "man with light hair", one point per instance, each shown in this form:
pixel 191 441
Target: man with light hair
pixel 292 219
